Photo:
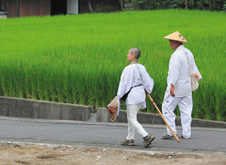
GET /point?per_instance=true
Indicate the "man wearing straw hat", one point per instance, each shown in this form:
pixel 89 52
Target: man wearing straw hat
pixel 134 80
pixel 179 90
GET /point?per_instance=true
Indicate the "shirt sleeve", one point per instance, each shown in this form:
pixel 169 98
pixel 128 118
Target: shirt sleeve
pixel 125 82
pixel 148 82
pixel 195 68
pixel 175 69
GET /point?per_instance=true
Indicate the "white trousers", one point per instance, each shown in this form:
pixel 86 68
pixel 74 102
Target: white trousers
pixel 133 124
pixel 185 106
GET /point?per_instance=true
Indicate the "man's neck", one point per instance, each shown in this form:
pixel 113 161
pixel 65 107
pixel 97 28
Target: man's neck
pixel 134 62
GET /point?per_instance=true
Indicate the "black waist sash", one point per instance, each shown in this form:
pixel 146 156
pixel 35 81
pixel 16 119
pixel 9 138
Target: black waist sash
pixel 126 95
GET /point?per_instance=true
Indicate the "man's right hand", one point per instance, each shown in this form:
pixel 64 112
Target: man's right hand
pixel 172 90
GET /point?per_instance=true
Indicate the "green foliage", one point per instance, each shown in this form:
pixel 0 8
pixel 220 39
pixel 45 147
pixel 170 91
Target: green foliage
pixel 155 4
pixel 79 58
pixel 141 4
pixel 224 7
pixel 176 4
pixel 104 8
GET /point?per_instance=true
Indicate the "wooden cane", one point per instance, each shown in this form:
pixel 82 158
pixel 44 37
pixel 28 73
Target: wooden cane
pixel 152 101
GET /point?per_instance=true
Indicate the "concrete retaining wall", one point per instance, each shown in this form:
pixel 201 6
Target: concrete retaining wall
pixel 149 118
pixel 27 108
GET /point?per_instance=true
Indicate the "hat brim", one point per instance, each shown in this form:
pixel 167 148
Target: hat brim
pixel 176 36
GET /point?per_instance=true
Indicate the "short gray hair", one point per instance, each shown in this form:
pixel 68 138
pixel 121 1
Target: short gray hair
pixel 135 51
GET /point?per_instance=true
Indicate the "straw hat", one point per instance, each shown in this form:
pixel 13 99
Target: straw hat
pixel 176 36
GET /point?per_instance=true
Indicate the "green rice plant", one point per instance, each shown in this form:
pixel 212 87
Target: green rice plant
pixel 79 58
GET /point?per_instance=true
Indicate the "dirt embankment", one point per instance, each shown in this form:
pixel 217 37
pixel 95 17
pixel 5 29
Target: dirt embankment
pixel 41 154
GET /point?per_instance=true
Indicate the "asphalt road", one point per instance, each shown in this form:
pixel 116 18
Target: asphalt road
pixel 106 135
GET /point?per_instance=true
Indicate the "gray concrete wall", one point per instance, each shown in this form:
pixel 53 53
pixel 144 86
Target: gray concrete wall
pixel 27 108
pixel 149 118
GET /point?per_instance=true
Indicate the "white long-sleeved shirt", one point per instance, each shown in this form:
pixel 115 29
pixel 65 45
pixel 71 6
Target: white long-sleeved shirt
pixel 133 75
pixel 179 72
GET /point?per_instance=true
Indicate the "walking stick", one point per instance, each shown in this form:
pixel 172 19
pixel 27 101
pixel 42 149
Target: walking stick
pixel 152 101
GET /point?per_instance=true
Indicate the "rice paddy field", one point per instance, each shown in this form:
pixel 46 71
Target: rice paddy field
pixel 78 59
